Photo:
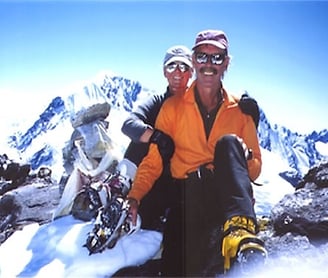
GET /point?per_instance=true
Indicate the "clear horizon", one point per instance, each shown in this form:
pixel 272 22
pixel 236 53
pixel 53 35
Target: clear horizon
pixel 279 49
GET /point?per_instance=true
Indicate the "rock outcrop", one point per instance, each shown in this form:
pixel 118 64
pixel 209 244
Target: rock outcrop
pixel 296 233
pixel 25 198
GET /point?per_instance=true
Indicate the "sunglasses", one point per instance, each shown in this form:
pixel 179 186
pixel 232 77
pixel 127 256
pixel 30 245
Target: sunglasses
pixel 173 66
pixel 216 59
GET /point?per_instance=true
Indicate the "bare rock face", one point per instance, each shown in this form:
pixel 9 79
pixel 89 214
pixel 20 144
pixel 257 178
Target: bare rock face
pixel 306 209
pixel 31 202
pixel 299 221
pixel 37 201
pixel 309 201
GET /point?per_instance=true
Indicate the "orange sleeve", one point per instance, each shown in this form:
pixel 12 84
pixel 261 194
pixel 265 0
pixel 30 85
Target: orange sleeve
pixel 151 166
pixel 147 173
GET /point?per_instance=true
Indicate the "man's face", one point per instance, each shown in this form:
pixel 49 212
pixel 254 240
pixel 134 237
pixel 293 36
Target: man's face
pixel 210 63
pixel 177 75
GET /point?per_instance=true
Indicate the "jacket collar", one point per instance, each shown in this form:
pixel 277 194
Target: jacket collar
pixel 189 96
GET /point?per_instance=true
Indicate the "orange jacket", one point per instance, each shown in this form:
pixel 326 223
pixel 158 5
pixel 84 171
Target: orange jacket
pixel 180 118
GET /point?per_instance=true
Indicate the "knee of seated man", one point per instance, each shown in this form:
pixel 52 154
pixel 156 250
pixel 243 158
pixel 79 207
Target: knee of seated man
pixel 227 140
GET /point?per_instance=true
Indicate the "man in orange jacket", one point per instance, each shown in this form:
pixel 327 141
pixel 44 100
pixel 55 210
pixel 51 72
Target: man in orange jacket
pixel 216 157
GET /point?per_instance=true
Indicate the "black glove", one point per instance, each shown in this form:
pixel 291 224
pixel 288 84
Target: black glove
pixel 164 143
pixel 250 107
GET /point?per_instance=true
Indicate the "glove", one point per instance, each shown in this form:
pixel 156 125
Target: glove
pixel 164 143
pixel 250 107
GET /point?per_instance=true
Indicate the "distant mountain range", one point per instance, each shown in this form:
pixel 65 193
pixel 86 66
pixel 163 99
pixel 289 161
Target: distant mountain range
pixel 299 150
pixel 42 143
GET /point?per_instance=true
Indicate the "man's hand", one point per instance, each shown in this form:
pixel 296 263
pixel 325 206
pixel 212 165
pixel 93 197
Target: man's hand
pixel 250 107
pixel 133 210
pixel 164 143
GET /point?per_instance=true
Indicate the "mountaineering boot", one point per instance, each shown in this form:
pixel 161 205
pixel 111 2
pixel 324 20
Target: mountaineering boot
pixel 89 200
pixel 241 245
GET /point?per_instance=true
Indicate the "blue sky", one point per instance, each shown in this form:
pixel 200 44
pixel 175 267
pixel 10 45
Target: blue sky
pixel 279 48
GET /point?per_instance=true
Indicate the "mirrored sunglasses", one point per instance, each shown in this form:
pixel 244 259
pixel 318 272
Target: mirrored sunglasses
pixel 216 59
pixel 173 66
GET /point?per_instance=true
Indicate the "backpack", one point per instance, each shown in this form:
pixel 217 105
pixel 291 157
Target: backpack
pixel 88 201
